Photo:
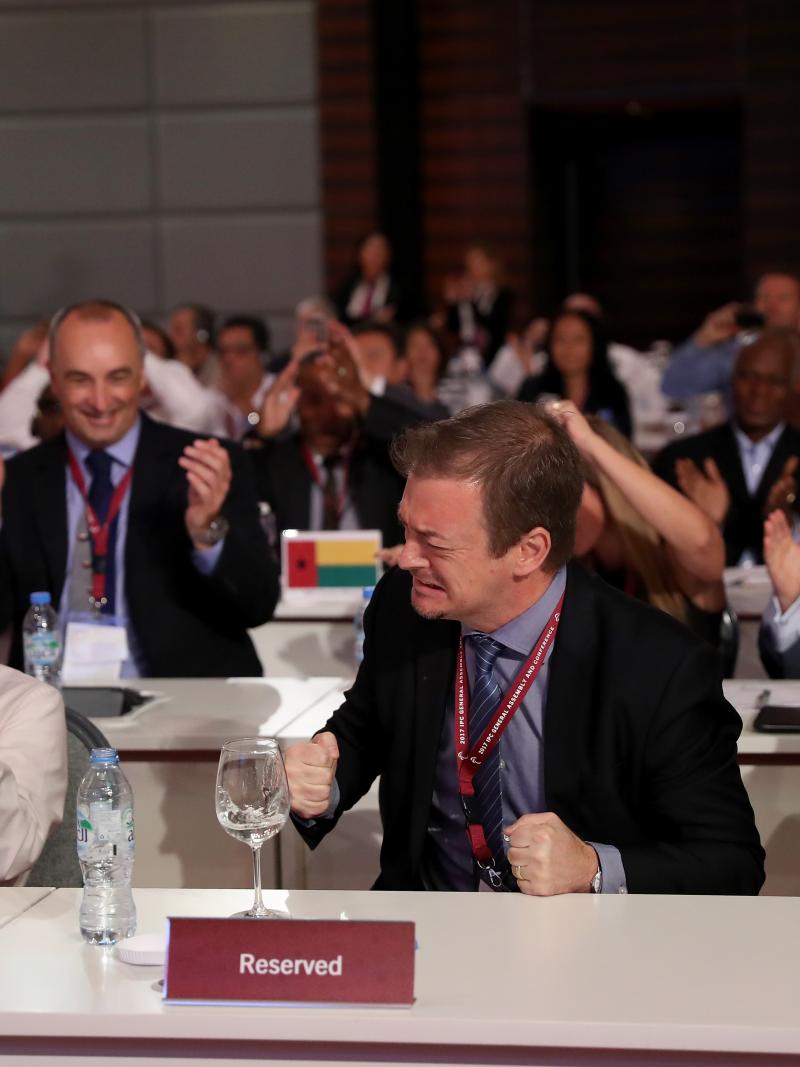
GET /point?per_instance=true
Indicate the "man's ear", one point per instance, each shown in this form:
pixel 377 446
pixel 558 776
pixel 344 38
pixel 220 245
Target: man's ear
pixel 532 550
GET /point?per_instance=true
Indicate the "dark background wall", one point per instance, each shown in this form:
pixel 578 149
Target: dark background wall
pixel 650 153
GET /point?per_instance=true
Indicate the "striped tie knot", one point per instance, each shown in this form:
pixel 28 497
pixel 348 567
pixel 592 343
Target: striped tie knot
pixel 486 651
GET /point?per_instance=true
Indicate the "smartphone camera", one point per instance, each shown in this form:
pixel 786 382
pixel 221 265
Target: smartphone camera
pixel 748 318
pixel 317 327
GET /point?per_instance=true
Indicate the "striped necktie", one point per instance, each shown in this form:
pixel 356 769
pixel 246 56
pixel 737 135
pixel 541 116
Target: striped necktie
pixel 101 491
pixel 485 697
pixel 330 492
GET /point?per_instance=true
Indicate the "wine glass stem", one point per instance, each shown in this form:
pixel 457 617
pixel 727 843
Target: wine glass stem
pixel 258 903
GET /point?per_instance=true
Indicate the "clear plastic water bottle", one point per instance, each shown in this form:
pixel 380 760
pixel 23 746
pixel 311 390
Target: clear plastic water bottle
pixel 105 850
pixel 41 641
pixel 358 623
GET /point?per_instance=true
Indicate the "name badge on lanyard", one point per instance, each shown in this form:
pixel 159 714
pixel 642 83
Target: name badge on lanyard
pixel 96 643
pixel 95 647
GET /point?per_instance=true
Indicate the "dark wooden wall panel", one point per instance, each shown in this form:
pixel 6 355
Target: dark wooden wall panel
pixel 475 158
pixel 486 71
pixel 347 130
pixel 771 163
pixel 587 49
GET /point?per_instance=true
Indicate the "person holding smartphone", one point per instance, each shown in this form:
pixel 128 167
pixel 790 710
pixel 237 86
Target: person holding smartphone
pixel 704 362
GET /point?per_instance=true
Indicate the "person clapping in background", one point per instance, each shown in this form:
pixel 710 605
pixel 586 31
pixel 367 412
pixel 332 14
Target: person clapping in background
pixel 640 534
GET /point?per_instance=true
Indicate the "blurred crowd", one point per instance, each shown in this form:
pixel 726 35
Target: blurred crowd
pixel 691 455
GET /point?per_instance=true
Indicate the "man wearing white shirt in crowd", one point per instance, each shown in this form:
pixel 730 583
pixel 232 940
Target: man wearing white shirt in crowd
pixel 243 347
pixel 191 330
pixel 33 770
pixel 172 395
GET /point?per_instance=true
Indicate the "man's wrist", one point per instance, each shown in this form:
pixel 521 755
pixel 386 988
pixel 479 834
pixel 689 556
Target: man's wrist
pixel 262 434
pixel 209 535
pixel 596 884
pixel 702 340
pixel 592 881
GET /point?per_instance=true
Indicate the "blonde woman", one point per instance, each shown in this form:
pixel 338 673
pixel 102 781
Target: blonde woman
pixel 641 534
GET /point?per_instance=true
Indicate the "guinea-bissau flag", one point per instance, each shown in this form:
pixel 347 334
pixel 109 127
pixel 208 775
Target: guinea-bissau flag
pixel 334 564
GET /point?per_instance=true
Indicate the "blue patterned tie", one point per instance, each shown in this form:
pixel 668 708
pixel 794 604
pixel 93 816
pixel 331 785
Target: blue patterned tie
pixel 485 697
pixel 101 491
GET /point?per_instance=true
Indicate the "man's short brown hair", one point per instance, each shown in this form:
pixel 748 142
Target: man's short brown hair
pixel 529 471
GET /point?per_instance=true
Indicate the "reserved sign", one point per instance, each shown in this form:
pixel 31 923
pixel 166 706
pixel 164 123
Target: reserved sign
pixel 297 961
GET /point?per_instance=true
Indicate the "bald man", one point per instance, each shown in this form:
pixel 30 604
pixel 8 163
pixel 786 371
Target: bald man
pixel 130 523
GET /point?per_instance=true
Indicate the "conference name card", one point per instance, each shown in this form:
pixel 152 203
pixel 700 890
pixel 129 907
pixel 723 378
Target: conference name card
pixel 301 961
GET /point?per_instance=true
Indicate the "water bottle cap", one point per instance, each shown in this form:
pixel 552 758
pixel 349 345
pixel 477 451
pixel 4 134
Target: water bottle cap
pixel 40 598
pixel 104 755
pixel 367 592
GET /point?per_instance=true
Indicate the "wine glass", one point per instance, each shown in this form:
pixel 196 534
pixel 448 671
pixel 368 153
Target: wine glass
pixel 252 802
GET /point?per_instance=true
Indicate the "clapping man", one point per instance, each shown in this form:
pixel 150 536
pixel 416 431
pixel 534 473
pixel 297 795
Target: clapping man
pixel 739 472
pixel 136 524
pixel 333 472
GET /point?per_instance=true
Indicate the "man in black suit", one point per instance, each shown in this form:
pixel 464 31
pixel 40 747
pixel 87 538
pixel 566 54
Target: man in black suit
pixel 186 568
pixel 617 770
pixel 334 472
pixel 739 472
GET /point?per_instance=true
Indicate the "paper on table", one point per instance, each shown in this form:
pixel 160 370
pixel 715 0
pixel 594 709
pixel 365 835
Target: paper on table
pixel 93 653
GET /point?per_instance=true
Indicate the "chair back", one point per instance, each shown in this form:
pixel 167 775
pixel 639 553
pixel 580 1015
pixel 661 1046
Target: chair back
pixel 58 864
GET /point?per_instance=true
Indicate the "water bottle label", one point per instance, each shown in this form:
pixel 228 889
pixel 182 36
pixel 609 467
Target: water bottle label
pixel 84 829
pixel 106 829
pixel 42 648
pixel 107 825
pixel 127 826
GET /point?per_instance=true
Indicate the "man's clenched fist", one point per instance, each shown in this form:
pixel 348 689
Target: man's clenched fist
pixel 310 768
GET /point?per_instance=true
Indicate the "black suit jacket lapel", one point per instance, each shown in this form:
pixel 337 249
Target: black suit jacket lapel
pixel 294 486
pixel 780 453
pixel 154 467
pixel 568 708
pixel 433 677
pixel 730 464
pixel 51 511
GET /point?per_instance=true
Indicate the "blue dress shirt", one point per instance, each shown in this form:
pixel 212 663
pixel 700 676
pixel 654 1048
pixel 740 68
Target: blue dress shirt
pixel 694 369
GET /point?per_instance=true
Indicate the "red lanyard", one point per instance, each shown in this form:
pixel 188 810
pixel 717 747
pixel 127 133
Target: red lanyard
pixel 470 757
pixel 313 470
pixel 99 532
